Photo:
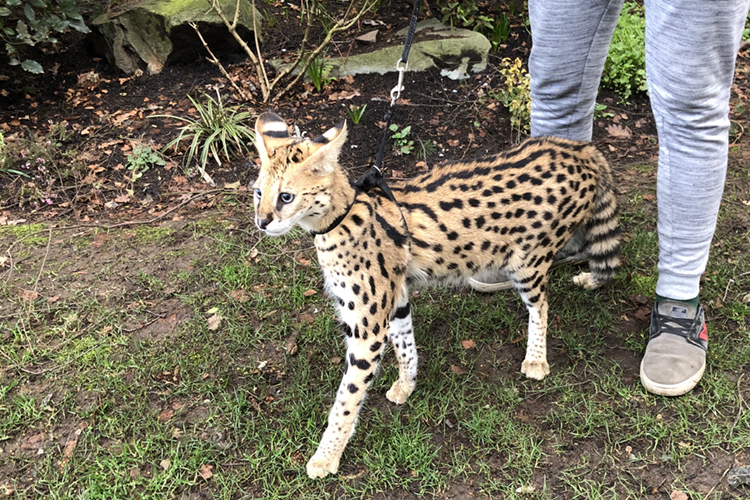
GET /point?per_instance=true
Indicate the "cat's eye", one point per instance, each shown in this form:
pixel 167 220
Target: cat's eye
pixel 258 193
pixel 286 197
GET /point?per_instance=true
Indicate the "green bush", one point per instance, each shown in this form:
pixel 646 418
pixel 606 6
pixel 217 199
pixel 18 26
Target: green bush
pixel 515 95
pixel 31 23
pixel 625 69
pixel 218 130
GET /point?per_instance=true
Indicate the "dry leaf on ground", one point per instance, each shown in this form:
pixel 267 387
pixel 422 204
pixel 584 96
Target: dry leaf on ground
pixel 214 321
pixel 468 344
pixel 619 132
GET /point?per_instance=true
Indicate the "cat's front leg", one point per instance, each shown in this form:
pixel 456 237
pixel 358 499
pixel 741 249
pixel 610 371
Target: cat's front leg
pixel 362 359
pixel 401 335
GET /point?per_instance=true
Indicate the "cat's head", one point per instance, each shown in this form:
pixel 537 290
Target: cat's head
pixel 296 175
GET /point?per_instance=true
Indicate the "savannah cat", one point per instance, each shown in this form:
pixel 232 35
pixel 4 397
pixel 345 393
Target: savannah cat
pixel 509 213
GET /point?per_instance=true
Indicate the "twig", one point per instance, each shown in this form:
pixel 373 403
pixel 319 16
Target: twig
pixel 739 409
pixel 717 482
pixel 44 260
pixel 726 290
pixel 215 61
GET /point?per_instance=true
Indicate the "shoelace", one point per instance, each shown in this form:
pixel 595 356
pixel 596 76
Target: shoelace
pixel 689 329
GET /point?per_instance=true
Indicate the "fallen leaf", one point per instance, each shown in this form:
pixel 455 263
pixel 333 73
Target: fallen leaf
pixel 369 37
pixel 165 464
pixel 205 471
pixel 618 132
pixel 233 185
pixel 213 322
pixel 457 370
pixel 678 495
pixel 309 293
pixel 468 344
pixel 643 314
pixel 303 261
pixel 344 94
pixel 239 295
pixel 29 295
pixel 291 344
pixel 166 415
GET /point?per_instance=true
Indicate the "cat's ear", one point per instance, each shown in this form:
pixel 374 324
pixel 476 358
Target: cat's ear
pixel 269 129
pixel 326 149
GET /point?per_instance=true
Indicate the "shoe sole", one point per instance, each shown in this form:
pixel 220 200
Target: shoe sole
pixel 671 390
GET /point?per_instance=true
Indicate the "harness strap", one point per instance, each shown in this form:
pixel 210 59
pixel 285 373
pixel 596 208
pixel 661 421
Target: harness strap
pixel 373 178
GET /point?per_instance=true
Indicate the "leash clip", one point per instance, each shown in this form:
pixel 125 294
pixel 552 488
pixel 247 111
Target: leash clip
pixel 401 67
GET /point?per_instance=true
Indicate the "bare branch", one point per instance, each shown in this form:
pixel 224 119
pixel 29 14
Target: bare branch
pixel 213 60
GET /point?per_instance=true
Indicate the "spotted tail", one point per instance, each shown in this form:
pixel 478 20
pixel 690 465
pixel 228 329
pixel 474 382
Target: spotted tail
pixel 602 236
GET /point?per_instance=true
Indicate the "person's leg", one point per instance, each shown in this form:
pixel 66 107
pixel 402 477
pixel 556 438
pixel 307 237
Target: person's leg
pixel 691 47
pixel 570 44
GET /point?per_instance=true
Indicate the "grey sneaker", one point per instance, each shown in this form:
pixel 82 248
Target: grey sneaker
pixel 675 357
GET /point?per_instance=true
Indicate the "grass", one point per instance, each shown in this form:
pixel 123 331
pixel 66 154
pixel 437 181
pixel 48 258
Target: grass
pixel 130 391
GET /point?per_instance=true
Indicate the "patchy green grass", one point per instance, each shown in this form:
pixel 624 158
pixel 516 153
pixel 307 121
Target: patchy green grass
pixel 210 367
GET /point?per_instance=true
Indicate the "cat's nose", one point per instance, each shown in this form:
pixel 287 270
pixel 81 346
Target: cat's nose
pixel 263 223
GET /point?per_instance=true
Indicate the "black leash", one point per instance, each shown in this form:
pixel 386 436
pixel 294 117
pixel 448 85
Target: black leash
pixel 374 177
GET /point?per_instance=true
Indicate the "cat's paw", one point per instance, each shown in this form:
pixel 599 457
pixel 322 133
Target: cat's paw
pixel 587 281
pixel 320 466
pixel 399 393
pixel 535 369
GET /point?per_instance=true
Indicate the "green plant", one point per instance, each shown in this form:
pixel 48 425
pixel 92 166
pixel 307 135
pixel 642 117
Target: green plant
pixel 466 15
pixel 355 112
pixel 5 161
pixel 401 141
pixel 31 23
pixel 141 161
pixel 625 68
pixel 599 111
pixel 427 148
pixel 319 73
pixel 40 165
pixel 500 31
pixel 516 95
pixel 218 129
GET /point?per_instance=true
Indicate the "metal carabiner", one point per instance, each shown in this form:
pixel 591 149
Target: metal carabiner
pixel 396 91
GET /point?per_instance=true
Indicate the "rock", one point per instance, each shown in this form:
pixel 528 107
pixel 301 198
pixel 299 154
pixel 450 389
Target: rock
pixel 456 52
pixel 739 476
pixel 149 32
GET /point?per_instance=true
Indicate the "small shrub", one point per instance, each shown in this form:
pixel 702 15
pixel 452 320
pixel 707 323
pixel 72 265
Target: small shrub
pixel 31 23
pixel 516 95
pixel 319 73
pixel 36 167
pixel 355 112
pixel 500 32
pixel 625 69
pixel 141 161
pixel 401 142
pixel 218 129
pixel 426 149
pixel 466 15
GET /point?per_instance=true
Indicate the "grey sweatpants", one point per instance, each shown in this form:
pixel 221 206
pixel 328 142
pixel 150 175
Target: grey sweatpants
pixel 691 48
